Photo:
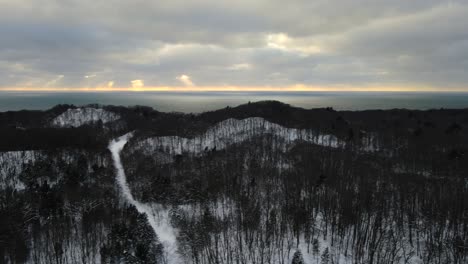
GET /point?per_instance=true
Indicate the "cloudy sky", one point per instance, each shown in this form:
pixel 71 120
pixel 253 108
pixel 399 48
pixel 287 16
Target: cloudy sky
pixel 234 45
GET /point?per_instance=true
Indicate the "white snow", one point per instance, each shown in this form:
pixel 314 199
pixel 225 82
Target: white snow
pixel 231 131
pixel 81 116
pixel 12 163
pixel 158 218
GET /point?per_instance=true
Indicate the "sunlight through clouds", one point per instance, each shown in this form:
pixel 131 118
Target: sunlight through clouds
pixel 185 79
pixel 136 84
pixel 283 42
pixel 319 43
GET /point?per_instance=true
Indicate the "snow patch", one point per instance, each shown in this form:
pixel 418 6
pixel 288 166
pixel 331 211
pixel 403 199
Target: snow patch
pixel 231 131
pixel 81 116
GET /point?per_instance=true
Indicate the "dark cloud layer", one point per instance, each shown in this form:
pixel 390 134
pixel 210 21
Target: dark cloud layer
pixel 359 43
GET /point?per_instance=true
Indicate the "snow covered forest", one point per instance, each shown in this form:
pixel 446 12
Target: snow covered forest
pixel 259 183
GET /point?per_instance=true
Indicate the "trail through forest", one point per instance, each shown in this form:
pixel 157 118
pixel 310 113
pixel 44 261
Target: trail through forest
pixel 158 219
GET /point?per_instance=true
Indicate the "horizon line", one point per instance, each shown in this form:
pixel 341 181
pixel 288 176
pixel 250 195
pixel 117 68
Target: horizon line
pixel 195 89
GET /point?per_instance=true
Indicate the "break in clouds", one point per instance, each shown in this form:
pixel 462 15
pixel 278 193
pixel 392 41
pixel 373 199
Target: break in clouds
pixel 360 43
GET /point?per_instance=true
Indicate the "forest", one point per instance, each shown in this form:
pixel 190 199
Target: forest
pixel 262 182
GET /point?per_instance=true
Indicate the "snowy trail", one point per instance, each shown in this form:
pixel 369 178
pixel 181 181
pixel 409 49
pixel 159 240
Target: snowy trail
pixel 158 219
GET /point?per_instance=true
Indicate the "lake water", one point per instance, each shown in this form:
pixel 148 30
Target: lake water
pixel 204 101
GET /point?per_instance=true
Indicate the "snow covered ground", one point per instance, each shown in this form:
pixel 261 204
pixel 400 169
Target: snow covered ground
pixel 224 211
pixel 12 163
pixel 221 136
pixel 232 131
pixel 81 116
pixel 157 216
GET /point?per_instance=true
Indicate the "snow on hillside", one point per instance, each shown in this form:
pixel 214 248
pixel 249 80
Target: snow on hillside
pixel 231 131
pixel 81 116
pixel 228 241
pixel 12 163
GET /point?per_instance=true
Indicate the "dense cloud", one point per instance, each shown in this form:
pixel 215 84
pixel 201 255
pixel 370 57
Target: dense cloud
pixel 359 43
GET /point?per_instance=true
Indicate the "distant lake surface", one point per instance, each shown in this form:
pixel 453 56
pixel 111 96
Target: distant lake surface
pixel 204 101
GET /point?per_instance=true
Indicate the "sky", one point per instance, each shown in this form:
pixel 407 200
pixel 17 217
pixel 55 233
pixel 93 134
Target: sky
pixel 274 45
